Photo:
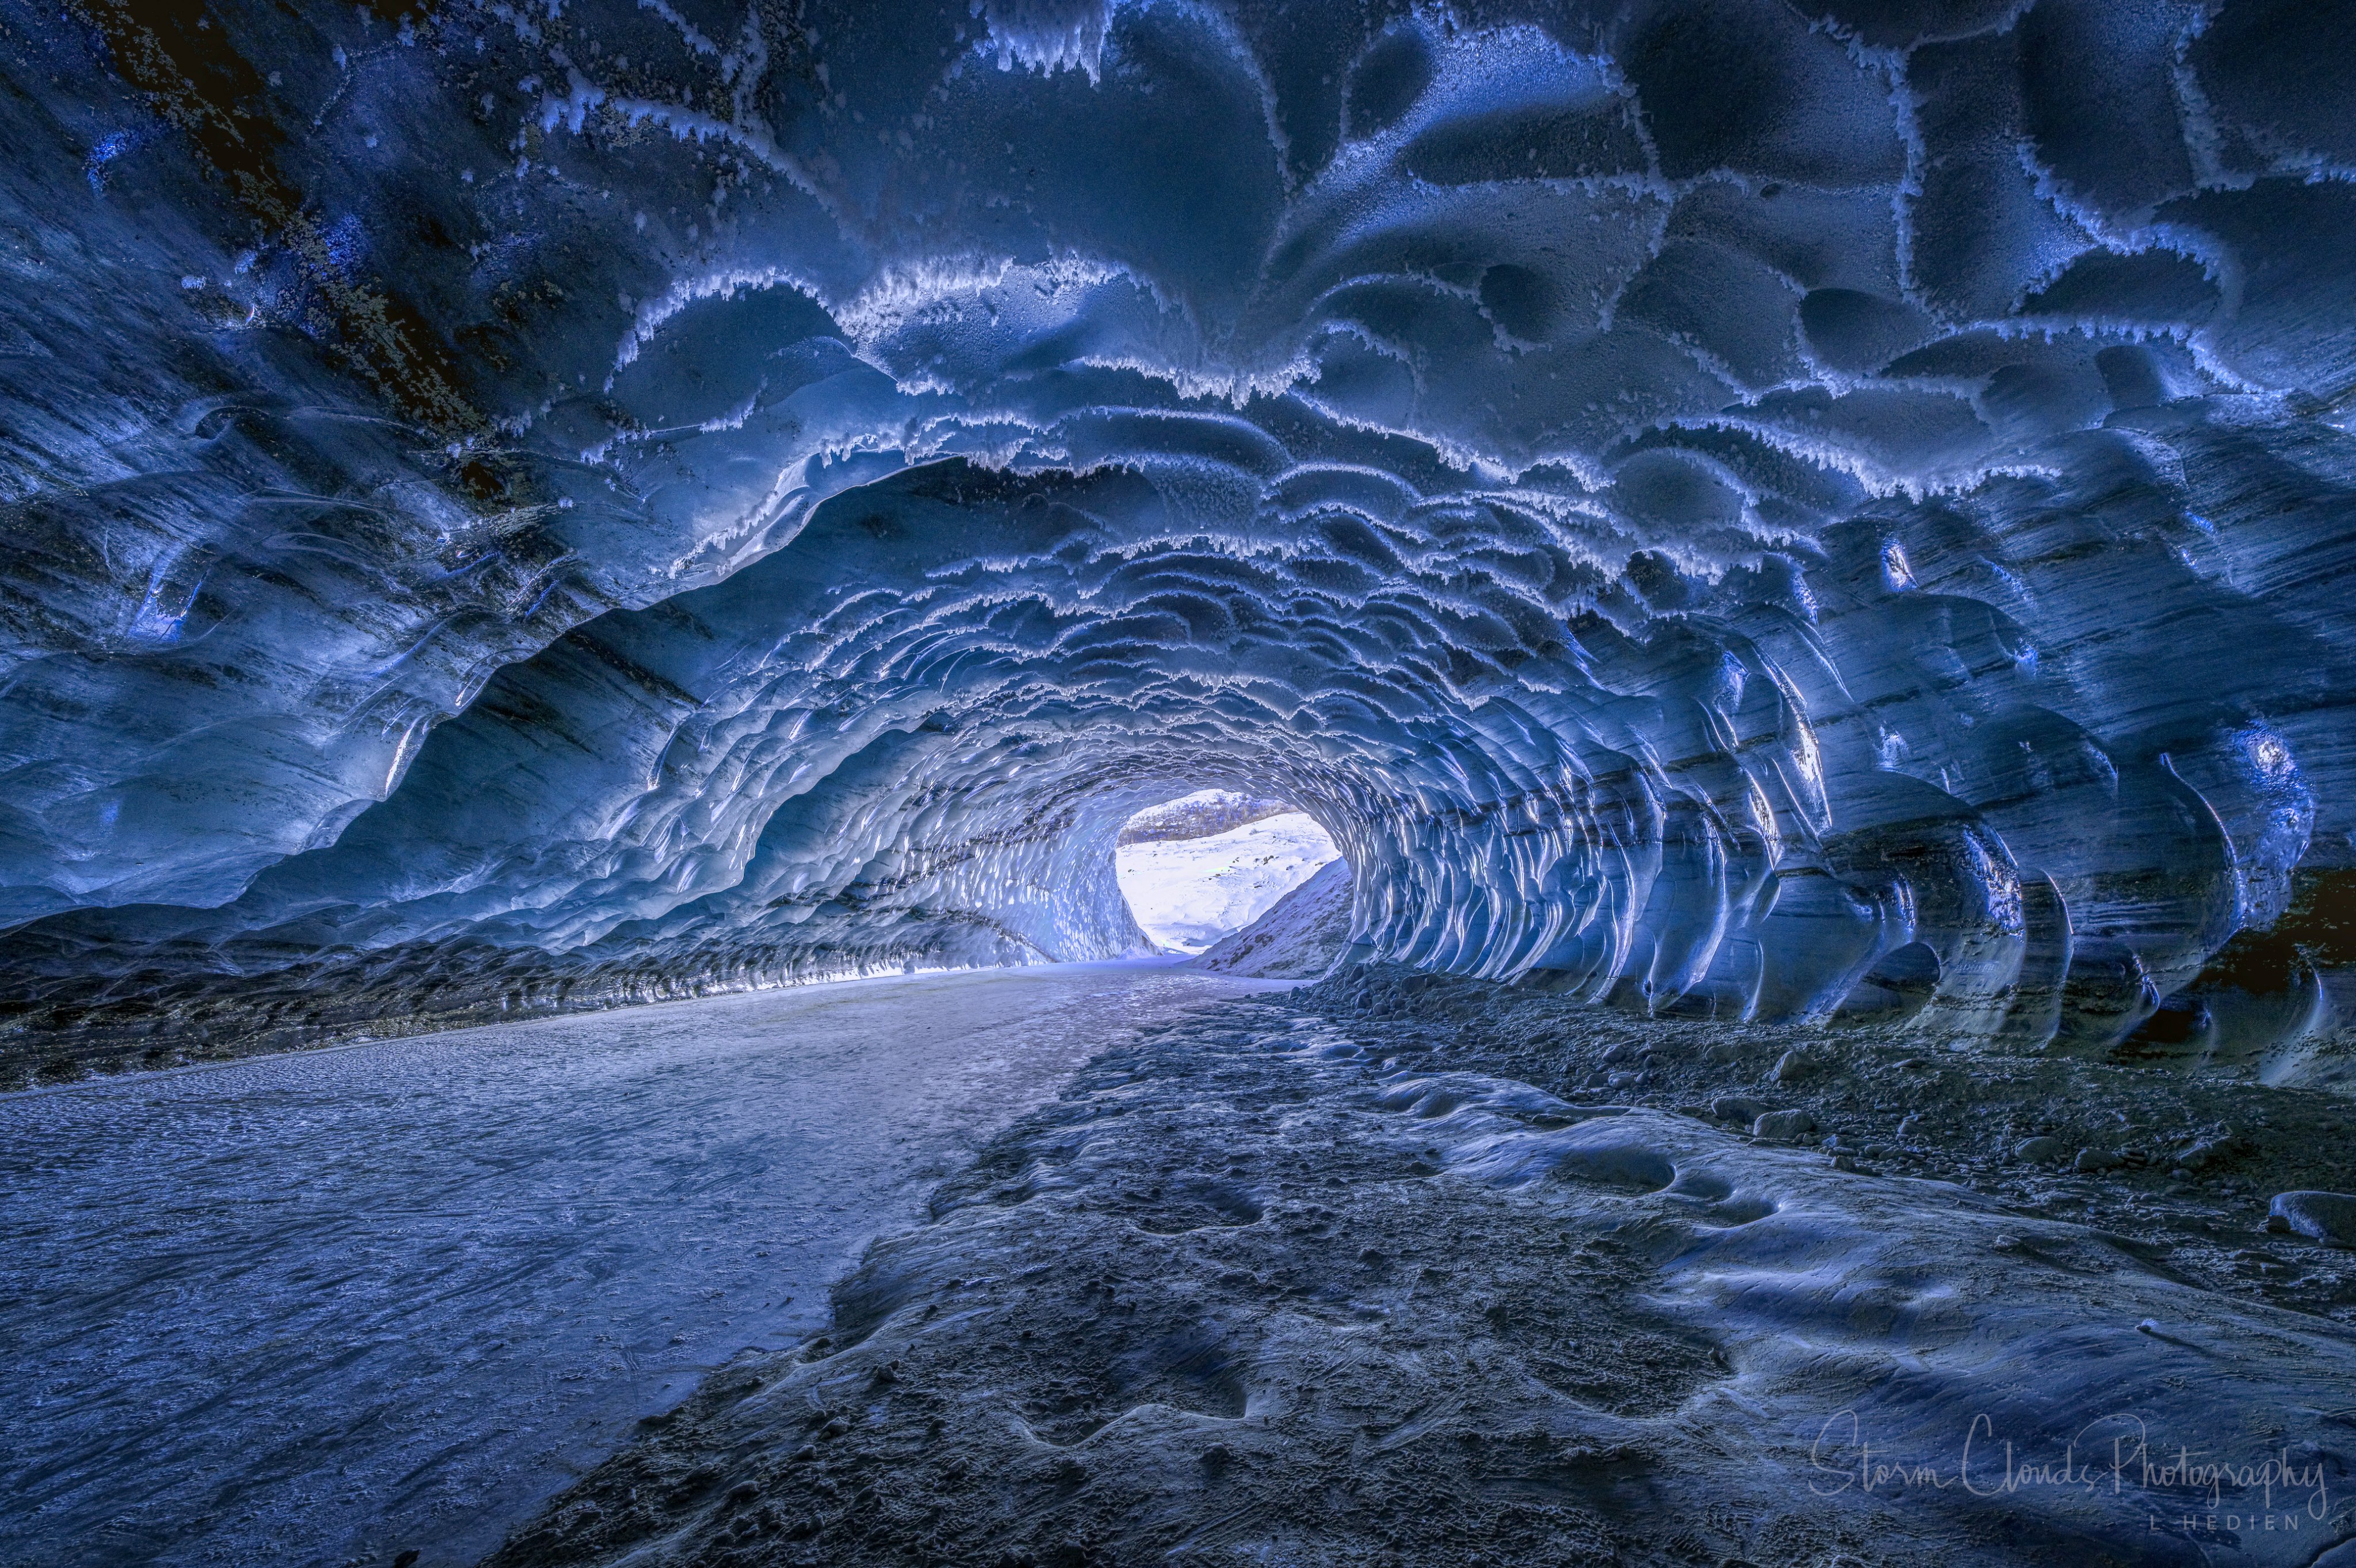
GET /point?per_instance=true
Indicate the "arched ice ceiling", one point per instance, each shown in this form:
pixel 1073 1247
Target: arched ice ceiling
pixel 538 504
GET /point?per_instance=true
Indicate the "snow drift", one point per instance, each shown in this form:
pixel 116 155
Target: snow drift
pixel 1300 937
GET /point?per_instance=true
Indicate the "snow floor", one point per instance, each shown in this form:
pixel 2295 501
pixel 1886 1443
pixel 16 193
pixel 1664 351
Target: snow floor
pixel 328 1307
pixel 1189 892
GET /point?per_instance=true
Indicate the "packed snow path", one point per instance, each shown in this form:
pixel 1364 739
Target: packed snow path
pixel 320 1308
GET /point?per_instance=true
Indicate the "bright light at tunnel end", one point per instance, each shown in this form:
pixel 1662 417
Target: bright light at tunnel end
pixel 1206 864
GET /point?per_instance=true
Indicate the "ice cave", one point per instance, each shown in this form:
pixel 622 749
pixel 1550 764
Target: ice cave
pixel 1070 783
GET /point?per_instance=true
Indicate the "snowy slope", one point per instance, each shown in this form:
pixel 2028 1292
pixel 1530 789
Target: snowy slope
pixel 1201 814
pixel 1189 892
pixel 1297 940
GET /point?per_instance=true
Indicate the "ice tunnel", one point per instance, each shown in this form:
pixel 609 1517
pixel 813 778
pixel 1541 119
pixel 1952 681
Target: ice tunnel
pixel 1728 510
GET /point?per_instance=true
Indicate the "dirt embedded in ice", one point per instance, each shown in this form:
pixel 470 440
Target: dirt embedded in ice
pixel 331 1308
pixel 2186 1166
pixel 1313 1279
pixel 2326 1217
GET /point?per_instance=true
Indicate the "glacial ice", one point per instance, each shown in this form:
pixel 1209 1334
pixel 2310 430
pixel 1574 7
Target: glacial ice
pixel 1724 509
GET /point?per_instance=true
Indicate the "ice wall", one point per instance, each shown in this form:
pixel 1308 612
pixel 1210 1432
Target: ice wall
pixel 1724 507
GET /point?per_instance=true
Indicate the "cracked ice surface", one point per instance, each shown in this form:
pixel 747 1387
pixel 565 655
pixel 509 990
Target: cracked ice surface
pixel 1724 507
pixel 517 1241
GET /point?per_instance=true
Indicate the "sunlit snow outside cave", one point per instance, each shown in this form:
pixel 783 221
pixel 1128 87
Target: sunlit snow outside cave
pixel 1188 889
pixel 1083 783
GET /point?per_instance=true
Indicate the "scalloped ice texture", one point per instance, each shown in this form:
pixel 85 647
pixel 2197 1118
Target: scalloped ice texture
pixel 1720 507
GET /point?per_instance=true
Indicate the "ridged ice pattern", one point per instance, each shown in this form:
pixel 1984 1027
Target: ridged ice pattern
pixel 1720 505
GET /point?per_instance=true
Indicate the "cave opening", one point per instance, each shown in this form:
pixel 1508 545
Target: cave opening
pixel 1202 866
